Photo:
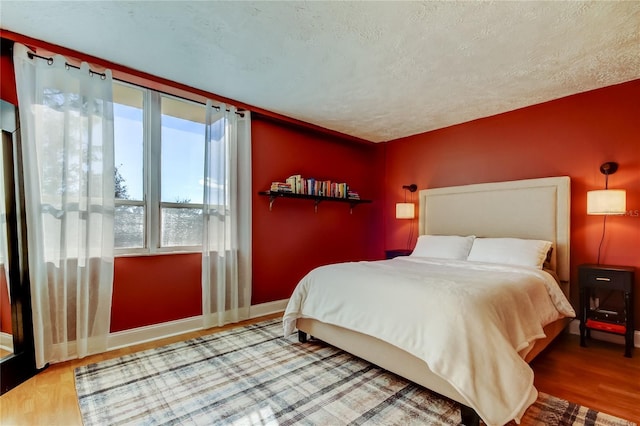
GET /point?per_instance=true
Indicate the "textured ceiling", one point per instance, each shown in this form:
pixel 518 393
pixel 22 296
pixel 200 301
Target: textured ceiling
pixel 374 70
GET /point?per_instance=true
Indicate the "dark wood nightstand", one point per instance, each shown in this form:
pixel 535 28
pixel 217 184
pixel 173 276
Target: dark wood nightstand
pixel 597 285
pixel 397 252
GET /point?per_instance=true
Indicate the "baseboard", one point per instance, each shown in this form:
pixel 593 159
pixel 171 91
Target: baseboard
pixel 574 328
pixel 268 308
pixel 6 342
pixel 153 332
pixel 122 339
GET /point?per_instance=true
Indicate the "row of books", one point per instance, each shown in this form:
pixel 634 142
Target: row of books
pixel 297 184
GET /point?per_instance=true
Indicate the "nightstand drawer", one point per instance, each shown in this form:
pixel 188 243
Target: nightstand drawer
pixel 615 279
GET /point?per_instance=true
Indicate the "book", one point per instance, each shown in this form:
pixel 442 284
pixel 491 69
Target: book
pixel 280 187
pixel 297 184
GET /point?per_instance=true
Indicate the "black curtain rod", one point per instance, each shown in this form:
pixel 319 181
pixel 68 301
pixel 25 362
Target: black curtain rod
pixel 66 64
pixel 103 76
pixel 240 113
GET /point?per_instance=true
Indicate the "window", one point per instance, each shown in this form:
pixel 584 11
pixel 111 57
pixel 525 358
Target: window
pixel 182 171
pixel 159 160
pixel 129 227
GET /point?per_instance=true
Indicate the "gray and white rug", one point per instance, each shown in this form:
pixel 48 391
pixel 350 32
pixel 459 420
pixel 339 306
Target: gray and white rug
pixel 253 376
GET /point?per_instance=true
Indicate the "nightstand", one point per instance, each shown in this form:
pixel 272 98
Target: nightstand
pixel 598 284
pixel 397 252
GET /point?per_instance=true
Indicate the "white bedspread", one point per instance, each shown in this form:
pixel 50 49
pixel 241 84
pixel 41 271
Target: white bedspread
pixel 471 322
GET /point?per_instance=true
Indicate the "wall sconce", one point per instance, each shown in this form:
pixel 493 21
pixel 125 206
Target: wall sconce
pixel 606 201
pixel 407 210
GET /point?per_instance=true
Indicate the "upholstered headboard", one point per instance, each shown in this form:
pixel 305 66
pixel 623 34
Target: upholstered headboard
pixel 532 208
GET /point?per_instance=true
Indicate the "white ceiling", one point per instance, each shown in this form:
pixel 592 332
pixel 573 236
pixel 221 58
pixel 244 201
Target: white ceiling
pixel 374 70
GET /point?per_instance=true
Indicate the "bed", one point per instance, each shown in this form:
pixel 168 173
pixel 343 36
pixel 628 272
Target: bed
pixel 485 365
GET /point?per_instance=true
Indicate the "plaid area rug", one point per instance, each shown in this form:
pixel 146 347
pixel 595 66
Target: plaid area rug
pixel 252 376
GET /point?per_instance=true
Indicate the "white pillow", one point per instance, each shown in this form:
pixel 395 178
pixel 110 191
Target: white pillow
pixel 510 251
pixel 443 246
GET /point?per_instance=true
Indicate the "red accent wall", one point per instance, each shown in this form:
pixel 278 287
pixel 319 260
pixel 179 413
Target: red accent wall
pixel 291 239
pixel 571 136
pixel 155 289
pixel 7 74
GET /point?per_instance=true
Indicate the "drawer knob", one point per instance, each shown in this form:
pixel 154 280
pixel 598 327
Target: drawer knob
pixel 603 279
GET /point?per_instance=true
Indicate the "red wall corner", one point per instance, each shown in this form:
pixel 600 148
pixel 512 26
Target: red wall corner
pixel 291 239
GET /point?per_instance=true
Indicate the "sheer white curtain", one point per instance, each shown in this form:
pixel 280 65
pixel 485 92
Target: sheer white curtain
pixel 226 246
pixel 66 119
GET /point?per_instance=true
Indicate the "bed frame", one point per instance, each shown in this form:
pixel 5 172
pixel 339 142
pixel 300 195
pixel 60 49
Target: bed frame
pixel 532 208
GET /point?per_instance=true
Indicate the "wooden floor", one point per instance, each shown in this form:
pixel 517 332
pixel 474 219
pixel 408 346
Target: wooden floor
pixel 598 377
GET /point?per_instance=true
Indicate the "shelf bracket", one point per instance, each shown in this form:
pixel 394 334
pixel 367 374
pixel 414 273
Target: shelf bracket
pixel 315 205
pixel 272 198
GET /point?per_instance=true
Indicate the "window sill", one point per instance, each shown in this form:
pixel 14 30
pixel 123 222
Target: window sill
pixel 163 252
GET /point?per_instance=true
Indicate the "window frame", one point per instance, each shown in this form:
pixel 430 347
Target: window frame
pixel 152 178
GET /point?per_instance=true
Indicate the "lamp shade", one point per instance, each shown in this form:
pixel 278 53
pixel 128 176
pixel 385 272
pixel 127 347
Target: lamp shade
pixel 607 201
pixel 405 210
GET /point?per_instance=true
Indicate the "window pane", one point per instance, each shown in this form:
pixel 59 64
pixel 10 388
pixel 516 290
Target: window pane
pixel 129 227
pixel 128 141
pixel 182 164
pixel 181 226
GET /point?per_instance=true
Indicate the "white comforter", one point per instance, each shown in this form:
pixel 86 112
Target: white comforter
pixel 471 322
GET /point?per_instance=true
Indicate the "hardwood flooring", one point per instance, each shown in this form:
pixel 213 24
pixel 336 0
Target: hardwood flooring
pixel 597 376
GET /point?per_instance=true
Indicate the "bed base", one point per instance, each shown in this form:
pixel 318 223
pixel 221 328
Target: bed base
pixel 468 416
pixel 402 363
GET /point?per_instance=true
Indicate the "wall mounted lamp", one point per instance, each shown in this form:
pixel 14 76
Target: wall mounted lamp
pixel 606 201
pixel 407 210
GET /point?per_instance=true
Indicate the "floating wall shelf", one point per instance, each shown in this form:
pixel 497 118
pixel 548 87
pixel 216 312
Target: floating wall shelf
pixel 316 198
